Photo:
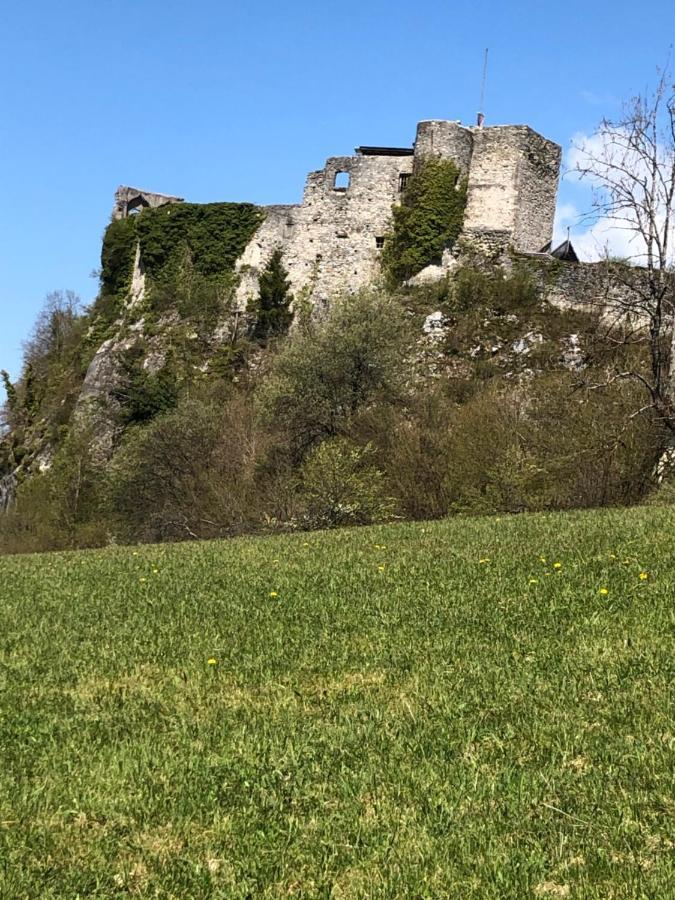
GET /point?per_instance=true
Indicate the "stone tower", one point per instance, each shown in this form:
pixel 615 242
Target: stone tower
pixel 512 181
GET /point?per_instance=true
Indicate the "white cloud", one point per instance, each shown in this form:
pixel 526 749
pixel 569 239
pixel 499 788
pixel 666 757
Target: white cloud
pixel 594 235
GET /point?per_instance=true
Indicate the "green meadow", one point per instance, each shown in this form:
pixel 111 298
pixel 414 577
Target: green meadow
pixel 468 708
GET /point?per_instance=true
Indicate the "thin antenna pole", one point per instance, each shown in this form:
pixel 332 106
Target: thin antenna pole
pixel 481 114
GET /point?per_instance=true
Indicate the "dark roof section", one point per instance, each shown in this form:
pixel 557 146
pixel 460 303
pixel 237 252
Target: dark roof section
pixel 385 151
pixel 565 252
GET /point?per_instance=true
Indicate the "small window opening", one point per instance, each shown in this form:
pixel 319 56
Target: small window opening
pixel 403 179
pixel 379 242
pixel 341 182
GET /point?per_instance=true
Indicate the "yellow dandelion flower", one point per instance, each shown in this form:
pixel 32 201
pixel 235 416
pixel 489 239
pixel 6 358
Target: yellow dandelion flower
pixel 485 559
pixel 274 594
pixel 557 565
pixel 643 576
pixel 142 578
pixel 533 581
pixel 212 662
pixel 542 559
pixel 380 568
pixel 604 591
pixel 156 571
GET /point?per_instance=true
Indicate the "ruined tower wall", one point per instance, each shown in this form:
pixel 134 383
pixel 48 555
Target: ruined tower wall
pixel 329 241
pixel 512 181
pixel 493 181
pixel 538 175
pixel 450 140
pixel 130 200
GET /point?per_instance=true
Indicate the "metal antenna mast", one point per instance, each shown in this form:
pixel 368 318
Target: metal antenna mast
pixel 481 115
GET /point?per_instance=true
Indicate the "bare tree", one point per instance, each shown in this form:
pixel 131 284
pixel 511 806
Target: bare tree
pixel 630 163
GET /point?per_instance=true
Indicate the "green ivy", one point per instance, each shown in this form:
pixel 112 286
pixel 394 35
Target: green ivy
pixel 117 256
pixel 428 220
pixel 212 235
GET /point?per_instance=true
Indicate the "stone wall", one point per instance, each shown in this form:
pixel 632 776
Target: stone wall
pixel 513 181
pixel 129 200
pixel 330 241
pixel 595 286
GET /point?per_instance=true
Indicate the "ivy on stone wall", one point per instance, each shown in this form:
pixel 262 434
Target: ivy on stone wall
pixel 428 220
pixel 117 256
pixel 213 235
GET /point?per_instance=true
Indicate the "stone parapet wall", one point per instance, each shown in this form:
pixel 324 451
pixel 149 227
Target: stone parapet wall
pixel 597 286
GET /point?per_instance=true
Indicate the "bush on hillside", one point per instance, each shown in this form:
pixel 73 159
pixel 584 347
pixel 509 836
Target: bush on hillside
pixel 341 485
pixel 330 369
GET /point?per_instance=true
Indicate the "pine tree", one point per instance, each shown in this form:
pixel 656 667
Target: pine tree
pixel 273 314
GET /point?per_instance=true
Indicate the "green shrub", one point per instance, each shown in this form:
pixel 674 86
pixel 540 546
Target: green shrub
pixel 492 289
pixel 190 473
pixel 342 486
pixel 141 394
pixel 59 508
pixel 428 220
pixel 543 444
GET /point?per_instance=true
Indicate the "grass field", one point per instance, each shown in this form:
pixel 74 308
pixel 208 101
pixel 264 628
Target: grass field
pixel 470 708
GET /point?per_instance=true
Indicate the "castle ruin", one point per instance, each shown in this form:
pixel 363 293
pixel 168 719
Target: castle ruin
pixel 332 240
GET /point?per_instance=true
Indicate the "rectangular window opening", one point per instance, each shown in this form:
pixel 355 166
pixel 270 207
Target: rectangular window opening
pixel 403 179
pixel 341 182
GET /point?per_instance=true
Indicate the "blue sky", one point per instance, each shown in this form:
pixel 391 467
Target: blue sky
pixel 238 101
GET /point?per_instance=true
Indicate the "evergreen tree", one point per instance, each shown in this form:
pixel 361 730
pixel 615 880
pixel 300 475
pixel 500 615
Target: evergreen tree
pixel 273 314
pixel 10 390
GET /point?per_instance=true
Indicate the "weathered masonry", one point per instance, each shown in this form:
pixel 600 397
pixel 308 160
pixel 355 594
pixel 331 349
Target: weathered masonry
pixel 131 200
pixel 332 240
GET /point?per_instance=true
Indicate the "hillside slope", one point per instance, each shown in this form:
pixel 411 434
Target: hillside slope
pixel 470 708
